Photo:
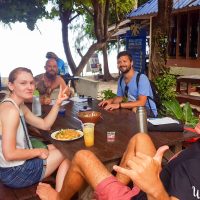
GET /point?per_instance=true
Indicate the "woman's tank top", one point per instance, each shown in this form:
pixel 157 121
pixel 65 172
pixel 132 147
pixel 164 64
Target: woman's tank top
pixel 22 138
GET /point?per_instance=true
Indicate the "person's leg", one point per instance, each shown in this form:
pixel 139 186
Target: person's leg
pixel 51 147
pixel 140 142
pixel 85 167
pixel 60 176
pixel 55 161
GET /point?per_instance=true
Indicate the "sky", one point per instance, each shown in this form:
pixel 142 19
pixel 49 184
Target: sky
pixel 20 47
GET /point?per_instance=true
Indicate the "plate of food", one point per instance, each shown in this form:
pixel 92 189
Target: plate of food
pixel 67 134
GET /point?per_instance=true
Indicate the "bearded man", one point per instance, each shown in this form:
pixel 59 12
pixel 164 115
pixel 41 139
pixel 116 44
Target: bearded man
pixel 135 94
pixel 47 82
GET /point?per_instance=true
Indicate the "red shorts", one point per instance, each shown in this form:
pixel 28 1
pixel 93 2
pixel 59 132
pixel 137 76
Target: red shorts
pixel 111 189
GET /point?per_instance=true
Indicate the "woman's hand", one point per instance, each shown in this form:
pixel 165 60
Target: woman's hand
pixel 43 153
pixel 63 95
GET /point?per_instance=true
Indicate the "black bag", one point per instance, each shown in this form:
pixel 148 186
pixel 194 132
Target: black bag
pixel 156 98
pixel 173 127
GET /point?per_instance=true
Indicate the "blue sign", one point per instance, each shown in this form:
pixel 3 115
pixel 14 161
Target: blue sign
pixel 136 45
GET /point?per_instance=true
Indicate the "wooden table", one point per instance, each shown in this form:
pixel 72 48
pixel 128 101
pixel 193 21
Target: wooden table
pixel 122 121
pixel 111 122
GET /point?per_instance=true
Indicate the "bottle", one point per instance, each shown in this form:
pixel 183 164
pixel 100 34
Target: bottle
pixel 141 118
pixel 36 106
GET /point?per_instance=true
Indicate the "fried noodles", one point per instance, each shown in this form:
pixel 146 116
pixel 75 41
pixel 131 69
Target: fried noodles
pixel 67 134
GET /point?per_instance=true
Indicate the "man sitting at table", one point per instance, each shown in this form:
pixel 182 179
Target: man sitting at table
pixel 179 179
pixel 136 94
pixel 47 82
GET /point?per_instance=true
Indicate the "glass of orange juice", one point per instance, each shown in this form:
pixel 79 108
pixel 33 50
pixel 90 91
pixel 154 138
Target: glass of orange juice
pixel 88 131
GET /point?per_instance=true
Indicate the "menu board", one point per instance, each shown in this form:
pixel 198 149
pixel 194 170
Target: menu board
pixel 94 63
pixel 136 45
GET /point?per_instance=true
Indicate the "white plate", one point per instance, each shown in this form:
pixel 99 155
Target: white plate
pixel 54 134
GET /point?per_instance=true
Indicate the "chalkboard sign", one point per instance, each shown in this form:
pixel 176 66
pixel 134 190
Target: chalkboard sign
pixel 136 45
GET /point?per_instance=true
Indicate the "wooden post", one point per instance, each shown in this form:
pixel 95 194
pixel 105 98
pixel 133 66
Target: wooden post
pixel 188 37
pixel 198 41
pixel 150 46
pixel 178 36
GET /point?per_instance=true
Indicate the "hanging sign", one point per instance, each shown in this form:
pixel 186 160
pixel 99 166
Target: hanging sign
pixel 136 45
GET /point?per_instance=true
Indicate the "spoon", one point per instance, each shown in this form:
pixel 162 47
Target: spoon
pixel 78 120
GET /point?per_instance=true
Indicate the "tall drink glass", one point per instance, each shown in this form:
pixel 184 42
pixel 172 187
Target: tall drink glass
pixel 88 131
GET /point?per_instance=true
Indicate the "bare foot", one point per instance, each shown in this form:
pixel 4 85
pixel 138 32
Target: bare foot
pixel 197 128
pixel 46 192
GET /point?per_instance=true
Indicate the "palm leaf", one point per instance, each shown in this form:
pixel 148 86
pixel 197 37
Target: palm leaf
pixel 174 109
pixel 187 112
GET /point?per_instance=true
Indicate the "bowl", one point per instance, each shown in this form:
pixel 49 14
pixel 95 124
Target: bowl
pixel 89 116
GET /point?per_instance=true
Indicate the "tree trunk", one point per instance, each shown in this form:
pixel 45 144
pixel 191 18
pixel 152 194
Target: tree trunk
pixel 87 56
pixel 65 20
pixel 160 31
pixel 100 18
pixel 107 76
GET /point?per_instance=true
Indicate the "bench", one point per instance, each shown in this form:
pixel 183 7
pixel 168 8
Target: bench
pixel 28 193
pixel 183 98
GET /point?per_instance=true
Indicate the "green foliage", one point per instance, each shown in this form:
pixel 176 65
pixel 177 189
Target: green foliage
pixel 125 99
pixel 28 11
pixel 36 93
pixel 108 94
pixel 117 10
pixel 173 109
pixel 184 114
pixel 140 2
pixel 89 26
pixel 36 143
pixel 166 86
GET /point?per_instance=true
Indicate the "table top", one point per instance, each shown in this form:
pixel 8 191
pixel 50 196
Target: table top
pixel 195 78
pixel 122 121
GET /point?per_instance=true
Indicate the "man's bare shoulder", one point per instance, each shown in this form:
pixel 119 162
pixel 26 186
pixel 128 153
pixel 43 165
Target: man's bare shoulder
pixel 39 76
pixel 59 78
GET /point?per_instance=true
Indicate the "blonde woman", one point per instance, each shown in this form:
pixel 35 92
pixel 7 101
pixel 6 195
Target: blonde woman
pixel 20 164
